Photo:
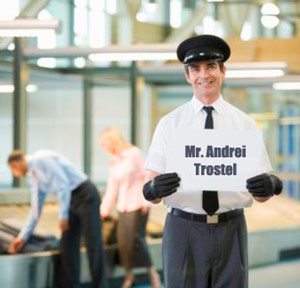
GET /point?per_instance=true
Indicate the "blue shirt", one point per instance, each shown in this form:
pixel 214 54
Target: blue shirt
pixel 51 174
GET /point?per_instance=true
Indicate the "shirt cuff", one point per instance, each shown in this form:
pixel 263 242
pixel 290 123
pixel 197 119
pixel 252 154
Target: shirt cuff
pixel 24 235
pixel 64 215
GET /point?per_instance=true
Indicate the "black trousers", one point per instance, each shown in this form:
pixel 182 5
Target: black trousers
pixel 200 255
pixel 83 218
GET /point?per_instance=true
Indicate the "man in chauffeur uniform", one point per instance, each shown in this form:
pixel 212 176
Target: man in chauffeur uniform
pixel 205 236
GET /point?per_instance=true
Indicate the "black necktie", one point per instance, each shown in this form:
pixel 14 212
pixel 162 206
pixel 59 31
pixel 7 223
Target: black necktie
pixel 210 202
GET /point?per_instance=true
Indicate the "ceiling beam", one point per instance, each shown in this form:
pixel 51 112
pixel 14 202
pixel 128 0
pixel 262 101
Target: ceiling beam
pixel 29 11
pixel 187 30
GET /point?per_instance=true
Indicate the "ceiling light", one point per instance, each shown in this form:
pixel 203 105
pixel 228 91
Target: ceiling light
pixel 175 13
pixel 269 21
pixel 270 9
pixel 97 57
pixel 255 73
pixel 151 7
pixel 46 62
pixel 246 33
pixel 111 7
pixel 137 51
pixel 6 88
pixel 79 62
pixel 28 27
pixel 30 88
pixel 257 65
pixel 11 46
pixel 147 11
pixel 286 85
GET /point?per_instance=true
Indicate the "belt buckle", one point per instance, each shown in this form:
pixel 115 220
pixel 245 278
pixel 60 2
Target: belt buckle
pixel 213 219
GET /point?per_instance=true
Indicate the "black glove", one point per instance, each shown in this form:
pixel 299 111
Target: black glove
pixel 264 185
pixel 161 186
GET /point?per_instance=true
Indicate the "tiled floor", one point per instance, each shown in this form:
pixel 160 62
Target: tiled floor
pixel 282 275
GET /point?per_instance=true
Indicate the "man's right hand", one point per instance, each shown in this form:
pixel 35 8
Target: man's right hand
pixel 17 244
pixel 161 186
pixel 63 225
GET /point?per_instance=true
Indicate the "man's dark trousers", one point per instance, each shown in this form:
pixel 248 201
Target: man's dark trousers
pixel 200 255
pixel 84 218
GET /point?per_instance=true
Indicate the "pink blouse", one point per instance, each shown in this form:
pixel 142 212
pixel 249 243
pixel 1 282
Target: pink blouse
pixel 125 182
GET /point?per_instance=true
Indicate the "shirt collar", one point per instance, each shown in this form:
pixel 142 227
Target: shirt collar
pixel 29 160
pixel 217 105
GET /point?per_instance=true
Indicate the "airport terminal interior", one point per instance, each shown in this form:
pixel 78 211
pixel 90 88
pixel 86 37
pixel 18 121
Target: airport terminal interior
pixel 69 69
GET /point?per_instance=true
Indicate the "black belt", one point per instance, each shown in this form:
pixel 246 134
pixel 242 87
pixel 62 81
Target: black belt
pixel 214 219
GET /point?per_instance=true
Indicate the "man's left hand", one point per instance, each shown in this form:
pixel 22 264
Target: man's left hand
pixel 17 244
pixel 63 225
pixel 264 185
pixel 145 210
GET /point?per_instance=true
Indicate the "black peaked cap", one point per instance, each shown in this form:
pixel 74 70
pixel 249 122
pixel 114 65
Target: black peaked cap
pixel 203 47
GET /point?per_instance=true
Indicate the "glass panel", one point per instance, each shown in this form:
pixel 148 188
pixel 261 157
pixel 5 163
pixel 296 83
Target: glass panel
pixel 111 108
pixel 80 21
pixel 149 12
pixel 6 143
pixel 111 6
pixel 81 3
pixel 97 30
pixel 46 41
pixel 55 115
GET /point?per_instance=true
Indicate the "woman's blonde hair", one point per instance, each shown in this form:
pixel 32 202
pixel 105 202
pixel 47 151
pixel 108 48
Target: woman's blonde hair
pixel 117 136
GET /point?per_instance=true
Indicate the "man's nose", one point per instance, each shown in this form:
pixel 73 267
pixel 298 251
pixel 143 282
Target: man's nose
pixel 203 73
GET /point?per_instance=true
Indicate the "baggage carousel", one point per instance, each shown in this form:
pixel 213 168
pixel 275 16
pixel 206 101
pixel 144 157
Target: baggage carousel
pixel 274 233
pixel 40 269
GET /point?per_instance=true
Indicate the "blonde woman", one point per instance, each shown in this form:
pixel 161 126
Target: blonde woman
pixel 125 184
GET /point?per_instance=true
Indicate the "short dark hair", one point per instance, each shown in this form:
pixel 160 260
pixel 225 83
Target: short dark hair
pixel 15 156
pixel 221 66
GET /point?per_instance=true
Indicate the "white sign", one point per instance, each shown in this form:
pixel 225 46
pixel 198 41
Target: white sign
pixel 216 160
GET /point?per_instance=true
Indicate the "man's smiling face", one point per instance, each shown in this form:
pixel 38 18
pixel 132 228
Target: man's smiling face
pixel 206 78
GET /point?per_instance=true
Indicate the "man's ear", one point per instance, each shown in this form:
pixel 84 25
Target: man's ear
pixel 187 75
pixel 12 164
pixel 224 70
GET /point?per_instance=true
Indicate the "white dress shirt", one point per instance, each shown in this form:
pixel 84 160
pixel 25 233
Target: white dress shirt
pixel 192 116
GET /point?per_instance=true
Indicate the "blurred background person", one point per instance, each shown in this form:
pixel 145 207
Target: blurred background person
pixel 79 201
pixel 125 182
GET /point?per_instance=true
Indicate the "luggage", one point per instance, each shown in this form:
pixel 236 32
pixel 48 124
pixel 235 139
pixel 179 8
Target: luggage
pixel 39 241
pixel 14 226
